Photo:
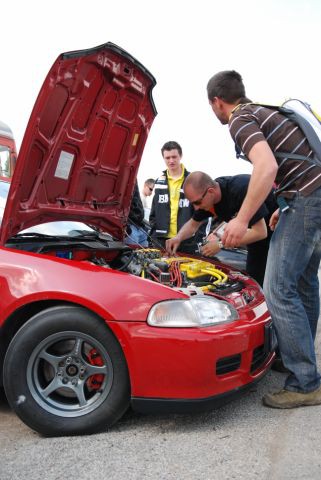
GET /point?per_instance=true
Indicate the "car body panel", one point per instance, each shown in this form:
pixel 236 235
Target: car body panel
pixel 182 362
pixel 28 277
pixel 83 143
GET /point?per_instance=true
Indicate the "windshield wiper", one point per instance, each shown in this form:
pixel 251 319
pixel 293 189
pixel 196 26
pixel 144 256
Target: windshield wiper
pixel 72 235
pixel 35 234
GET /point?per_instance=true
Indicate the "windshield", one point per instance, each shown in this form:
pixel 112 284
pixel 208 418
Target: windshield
pixel 61 228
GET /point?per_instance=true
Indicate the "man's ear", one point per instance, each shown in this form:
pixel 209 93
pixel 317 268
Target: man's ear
pixel 219 103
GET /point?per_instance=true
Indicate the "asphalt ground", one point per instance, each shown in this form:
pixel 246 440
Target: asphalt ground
pixel 241 440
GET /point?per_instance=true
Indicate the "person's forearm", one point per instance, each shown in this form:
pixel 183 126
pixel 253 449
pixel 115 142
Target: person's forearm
pixel 261 182
pixel 187 230
pixel 259 188
pixel 256 233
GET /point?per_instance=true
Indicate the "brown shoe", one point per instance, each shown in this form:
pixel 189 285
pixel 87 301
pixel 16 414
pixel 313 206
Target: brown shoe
pixel 287 399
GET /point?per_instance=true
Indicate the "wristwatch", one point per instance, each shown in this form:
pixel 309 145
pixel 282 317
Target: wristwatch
pixel 220 244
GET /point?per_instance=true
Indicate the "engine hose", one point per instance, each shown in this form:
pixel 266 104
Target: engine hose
pixel 127 261
pixel 221 276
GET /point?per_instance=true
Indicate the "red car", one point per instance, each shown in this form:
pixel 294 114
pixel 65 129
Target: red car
pixel 89 325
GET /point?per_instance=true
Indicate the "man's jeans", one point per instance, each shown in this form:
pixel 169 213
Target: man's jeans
pixel 291 288
pixel 137 236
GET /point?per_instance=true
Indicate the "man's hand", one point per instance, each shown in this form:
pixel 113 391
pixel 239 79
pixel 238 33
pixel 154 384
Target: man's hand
pixel 234 233
pixel 274 219
pixel 264 172
pixel 172 245
pixel 212 238
pixel 210 248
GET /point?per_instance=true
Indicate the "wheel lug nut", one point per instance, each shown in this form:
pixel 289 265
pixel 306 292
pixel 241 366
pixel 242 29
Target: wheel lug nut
pixel 65 380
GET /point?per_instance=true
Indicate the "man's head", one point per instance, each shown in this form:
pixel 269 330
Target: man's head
pixel 172 154
pixel 225 90
pixel 202 191
pixel 148 187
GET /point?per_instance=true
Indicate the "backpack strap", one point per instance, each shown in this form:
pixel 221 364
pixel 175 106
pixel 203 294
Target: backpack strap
pixel 306 128
pixel 282 186
pixel 296 157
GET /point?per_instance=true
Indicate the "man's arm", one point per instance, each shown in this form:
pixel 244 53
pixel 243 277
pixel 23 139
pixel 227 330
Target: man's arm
pixel 187 231
pixel 257 232
pixel 264 172
pixel 274 219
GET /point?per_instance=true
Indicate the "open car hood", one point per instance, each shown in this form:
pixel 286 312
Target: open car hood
pixel 83 144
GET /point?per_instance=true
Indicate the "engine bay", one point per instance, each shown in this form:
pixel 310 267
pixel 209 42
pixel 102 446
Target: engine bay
pixel 191 275
pixel 188 274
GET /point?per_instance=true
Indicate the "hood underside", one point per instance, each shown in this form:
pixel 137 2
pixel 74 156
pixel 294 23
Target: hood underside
pixel 83 143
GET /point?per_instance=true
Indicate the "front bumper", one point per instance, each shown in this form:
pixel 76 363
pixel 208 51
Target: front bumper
pixel 163 405
pixel 194 364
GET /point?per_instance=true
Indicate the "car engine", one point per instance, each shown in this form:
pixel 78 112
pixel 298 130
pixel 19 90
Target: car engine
pixel 190 275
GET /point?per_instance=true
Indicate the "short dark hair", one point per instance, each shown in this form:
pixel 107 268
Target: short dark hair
pixel 227 85
pixel 149 181
pixel 172 145
pixel 199 181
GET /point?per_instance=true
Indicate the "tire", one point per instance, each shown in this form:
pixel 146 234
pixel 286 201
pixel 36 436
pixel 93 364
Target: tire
pixel 65 373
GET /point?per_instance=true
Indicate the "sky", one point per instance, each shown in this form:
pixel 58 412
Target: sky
pixel 274 45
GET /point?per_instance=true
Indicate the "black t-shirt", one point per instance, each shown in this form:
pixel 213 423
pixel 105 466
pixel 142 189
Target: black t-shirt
pixel 234 189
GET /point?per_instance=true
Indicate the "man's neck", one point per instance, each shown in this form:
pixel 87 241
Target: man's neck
pixel 176 173
pixel 230 109
pixel 218 193
pixel 236 106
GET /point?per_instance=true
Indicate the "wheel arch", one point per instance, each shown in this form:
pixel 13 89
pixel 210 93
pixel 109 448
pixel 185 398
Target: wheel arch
pixel 22 314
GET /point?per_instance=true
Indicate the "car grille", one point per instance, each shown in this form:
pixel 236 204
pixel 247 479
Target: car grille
pixel 260 355
pixel 228 364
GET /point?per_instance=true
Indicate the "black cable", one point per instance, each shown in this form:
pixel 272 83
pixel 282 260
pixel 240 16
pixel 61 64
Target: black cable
pixel 151 239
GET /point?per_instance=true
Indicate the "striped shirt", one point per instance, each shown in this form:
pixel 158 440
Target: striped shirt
pixel 250 124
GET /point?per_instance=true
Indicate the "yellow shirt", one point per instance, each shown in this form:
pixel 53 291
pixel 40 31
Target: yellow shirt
pixel 174 187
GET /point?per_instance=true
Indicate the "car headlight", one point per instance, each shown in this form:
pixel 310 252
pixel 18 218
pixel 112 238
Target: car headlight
pixel 198 311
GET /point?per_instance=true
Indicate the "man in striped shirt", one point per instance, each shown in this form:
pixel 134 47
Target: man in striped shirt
pixel 268 139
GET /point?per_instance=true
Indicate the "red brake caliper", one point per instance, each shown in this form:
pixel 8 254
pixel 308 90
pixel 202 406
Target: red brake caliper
pixel 95 381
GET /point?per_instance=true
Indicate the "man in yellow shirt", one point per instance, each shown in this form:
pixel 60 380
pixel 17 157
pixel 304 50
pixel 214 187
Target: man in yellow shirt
pixel 170 208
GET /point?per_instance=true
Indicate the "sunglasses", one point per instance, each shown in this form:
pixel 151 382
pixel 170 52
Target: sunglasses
pixel 199 200
pixel 150 189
